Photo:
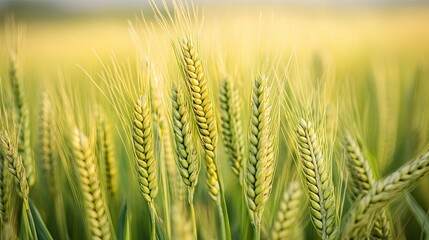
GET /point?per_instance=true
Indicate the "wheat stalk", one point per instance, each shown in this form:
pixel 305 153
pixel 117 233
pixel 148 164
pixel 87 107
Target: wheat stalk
pixel 24 147
pixel 231 124
pixel 260 164
pixel 381 193
pixel 16 166
pixel 315 172
pixel 287 220
pixel 96 210
pixel 362 179
pixel 108 154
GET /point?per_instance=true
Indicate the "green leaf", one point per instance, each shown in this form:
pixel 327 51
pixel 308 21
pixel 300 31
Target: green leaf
pixel 124 225
pixel 41 229
pixel 419 214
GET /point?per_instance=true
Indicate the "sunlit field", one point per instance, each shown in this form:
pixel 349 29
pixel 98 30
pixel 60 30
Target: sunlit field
pixel 226 121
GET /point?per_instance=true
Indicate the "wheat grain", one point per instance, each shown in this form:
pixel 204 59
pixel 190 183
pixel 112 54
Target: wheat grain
pixel 362 179
pixel 22 114
pixel 231 124
pixel 381 193
pixel 287 222
pixel 96 210
pixel 259 168
pixel 16 166
pixel 203 111
pixel 143 148
pixel 316 174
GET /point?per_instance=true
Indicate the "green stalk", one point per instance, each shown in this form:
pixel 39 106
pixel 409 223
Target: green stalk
pixel 153 219
pixel 223 211
pixel 191 207
pixel 166 199
pixel 257 235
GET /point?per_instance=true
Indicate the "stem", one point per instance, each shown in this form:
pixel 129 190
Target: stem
pixel 223 211
pixel 191 207
pixel 222 220
pixel 153 219
pixel 257 235
pixel 244 218
pixel 166 199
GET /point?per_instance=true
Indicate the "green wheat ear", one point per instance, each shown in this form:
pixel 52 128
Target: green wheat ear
pixel 16 166
pixel 231 124
pixel 362 179
pixel 260 164
pixel 187 161
pixel 22 114
pixel 144 150
pixel 381 193
pixel 317 178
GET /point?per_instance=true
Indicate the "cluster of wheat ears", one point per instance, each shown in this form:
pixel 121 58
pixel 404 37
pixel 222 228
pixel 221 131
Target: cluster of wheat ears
pixel 74 168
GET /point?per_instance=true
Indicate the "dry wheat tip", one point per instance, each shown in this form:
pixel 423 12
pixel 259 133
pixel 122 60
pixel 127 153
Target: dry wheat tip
pixel 144 151
pixel 203 111
pixel 187 161
pixel 315 172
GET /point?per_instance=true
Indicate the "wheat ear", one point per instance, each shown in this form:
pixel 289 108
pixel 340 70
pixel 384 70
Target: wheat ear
pixel 96 210
pixel 287 220
pixel 203 112
pixel 231 124
pixel 108 154
pixel 4 191
pixel 381 193
pixel 260 167
pixel 362 179
pixel 187 161
pixel 16 166
pixel 144 151
pixel 206 124
pixel 320 189
pixel 143 146
pixel 24 147
pixel 47 139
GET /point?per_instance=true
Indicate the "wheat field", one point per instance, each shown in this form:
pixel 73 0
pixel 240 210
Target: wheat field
pixel 216 121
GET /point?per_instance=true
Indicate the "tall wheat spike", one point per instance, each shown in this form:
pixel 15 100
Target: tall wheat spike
pixel 287 222
pixel 203 111
pixel 143 146
pixel 231 124
pixel 320 190
pixel 16 166
pixel 187 161
pixel 260 164
pixel 362 179
pixel 47 139
pixel 96 210
pixel 24 147
pixel 110 170
pixel 383 192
